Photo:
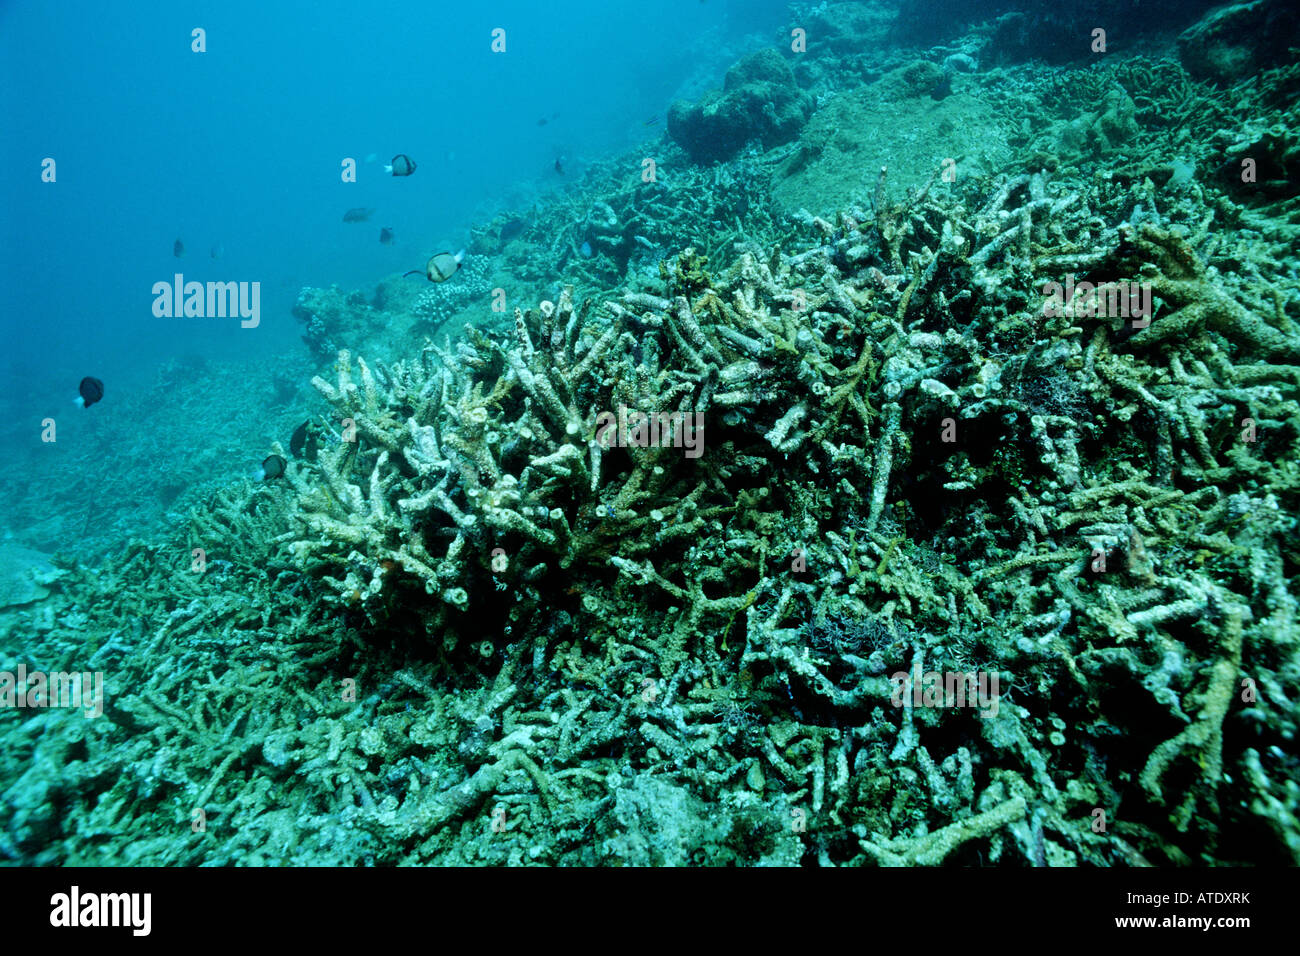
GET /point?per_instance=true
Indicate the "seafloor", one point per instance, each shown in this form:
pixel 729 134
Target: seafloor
pixel 472 629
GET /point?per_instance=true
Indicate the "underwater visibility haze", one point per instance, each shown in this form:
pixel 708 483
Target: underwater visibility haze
pixel 718 433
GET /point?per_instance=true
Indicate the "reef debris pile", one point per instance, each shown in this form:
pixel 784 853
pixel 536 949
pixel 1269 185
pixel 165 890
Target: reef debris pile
pixel 913 456
pixel 955 523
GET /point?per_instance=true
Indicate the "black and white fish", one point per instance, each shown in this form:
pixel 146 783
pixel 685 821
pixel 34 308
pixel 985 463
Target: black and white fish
pixel 92 390
pixel 272 467
pixel 440 267
pixel 402 165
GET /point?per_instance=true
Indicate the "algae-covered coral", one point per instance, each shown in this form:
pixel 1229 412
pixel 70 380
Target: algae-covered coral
pixel 684 561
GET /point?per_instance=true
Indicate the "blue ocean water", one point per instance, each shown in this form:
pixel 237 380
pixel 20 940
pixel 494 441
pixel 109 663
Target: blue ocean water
pixel 241 146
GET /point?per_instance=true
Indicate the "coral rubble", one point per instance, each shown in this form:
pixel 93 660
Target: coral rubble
pixel 953 521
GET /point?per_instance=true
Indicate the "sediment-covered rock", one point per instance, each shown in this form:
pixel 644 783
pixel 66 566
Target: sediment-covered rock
pixel 1236 41
pixel 759 101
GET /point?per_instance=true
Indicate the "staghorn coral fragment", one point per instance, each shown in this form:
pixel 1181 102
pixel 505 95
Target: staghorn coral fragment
pixel 933 848
pixel 1205 735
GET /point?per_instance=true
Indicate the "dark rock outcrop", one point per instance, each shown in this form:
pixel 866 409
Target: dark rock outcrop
pixel 759 101
pixel 1234 42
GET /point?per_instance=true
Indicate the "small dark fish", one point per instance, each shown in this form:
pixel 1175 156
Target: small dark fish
pixel 943 88
pixel 92 390
pixel 402 165
pixel 217 250
pixel 513 228
pixel 652 121
pixel 559 166
pixel 440 267
pixel 178 249
pixel 272 467
pixel 543 121
pixel 359 214
pixel 305 443
pixel 386 236
pixel 298 441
